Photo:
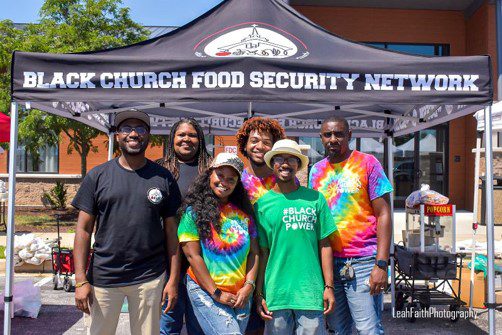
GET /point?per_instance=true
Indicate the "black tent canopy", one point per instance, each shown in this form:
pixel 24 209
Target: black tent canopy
pixel 247 58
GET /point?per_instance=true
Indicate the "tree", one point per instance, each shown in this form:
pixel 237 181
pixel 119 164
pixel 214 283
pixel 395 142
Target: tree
pixel 65 26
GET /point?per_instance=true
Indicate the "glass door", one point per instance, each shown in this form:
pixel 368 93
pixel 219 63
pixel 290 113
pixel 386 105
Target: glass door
pixel 420 158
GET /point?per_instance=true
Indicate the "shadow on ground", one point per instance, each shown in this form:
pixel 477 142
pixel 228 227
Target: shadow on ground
pixel 52 320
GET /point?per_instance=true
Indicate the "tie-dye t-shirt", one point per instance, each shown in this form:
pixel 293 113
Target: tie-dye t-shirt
pixel 225 254
pixel 349 188
pixel 257 187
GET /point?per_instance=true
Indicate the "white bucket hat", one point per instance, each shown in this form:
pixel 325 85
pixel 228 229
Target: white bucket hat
pixel 289 147
pixel 228 159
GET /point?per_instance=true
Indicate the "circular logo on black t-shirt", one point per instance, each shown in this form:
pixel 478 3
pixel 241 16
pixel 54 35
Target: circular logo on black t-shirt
pixel 154 195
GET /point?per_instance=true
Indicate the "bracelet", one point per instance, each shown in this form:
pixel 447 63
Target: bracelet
pixel 250 282
pixel 329 286
pixel 77 285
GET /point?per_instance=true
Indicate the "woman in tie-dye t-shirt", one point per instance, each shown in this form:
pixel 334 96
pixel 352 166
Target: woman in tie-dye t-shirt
pixel 218 236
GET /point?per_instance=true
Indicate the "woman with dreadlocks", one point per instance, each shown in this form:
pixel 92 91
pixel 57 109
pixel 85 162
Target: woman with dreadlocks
pixel 218 236
pixel 186 158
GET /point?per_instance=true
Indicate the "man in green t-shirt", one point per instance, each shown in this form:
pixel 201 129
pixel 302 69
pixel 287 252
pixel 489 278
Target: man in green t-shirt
pixel 295 281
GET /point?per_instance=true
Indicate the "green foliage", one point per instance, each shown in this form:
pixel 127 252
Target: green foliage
pixel 57 197
pixel 64 27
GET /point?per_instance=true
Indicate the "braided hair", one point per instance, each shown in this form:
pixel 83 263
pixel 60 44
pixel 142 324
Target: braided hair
pixel 171 161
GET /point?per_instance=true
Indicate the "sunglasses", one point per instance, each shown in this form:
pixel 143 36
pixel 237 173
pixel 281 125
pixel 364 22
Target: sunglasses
pixel 290 160
pixel 140 130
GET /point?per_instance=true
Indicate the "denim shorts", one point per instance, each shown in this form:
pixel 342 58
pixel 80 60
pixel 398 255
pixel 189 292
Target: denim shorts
pixel 216 318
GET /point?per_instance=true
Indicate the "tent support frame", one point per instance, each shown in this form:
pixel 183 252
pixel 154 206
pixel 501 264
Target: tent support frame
pixel 489 219
pixel 9 257
pixel 390 175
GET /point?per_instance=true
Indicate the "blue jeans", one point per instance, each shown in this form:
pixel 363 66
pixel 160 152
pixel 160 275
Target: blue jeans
pixel 216 318
pixel 300 322
pixel 354 304
pixel 172 322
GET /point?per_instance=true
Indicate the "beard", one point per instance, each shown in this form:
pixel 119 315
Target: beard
pixel 133 151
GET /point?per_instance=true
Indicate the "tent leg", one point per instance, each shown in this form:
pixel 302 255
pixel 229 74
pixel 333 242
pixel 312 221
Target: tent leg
pixel 475 213
pixel 489 219
pixel 390 175
pixel 9 255
pixel 110 146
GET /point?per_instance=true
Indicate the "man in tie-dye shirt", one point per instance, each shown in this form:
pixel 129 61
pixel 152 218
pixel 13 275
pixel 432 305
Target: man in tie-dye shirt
pixel 254 139
pixel 356 189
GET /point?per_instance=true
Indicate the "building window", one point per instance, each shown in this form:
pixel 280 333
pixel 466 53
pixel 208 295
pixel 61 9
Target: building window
pixel 46 160
pixel 415 49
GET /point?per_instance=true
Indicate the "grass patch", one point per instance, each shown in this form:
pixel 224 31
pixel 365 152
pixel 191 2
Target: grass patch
pixel 2 252
pixel 34 220
pixel 40 220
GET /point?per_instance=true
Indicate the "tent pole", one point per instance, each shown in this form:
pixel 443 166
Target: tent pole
pixel 390 175
pixel 111 119
pixel 475 213
pixel 110 146
pixel 9 255
pixel 490 277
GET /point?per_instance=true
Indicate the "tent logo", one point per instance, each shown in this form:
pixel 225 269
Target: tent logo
pixel 253 40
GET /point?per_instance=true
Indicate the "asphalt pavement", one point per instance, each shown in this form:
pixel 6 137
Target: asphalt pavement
pixel 58 315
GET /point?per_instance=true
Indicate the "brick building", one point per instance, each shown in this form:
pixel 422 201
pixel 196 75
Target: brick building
pixel 441 156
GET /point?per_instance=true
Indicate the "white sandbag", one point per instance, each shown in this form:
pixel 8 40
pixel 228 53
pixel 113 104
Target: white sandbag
pixel 25 254
pixel 34 260
pixel 34 247
pixel 23 241
pixel 42 256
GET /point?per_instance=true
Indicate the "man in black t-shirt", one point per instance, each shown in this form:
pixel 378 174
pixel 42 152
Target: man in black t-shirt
pixel 133 203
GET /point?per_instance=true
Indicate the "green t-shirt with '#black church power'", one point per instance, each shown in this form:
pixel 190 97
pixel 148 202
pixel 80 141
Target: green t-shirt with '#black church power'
pixel 291 226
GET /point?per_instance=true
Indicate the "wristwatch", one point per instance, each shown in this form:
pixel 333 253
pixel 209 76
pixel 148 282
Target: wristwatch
pixel 216 294
pixel 382 264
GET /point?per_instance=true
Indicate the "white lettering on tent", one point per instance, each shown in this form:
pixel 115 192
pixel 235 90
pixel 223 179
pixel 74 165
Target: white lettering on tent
pixel 85 80
pixel 421 82
pixel 106 80
pixel 58 80
pixel 72 80
pixel 441 82
pixel 372 82
pixel 256 79
pixel 333 77
pixel 469 82
pixel 30 79
pixel 350 78
pixel 224 79
pixel 151 80
pixel 455 83
pixel 400 81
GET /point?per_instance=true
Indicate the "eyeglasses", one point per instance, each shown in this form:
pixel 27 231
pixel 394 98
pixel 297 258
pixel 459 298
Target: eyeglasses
pixel 290 160
pixel 140 130
pixel 337 134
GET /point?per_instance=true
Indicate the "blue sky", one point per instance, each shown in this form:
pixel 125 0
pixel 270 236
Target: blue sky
pixel 146 12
